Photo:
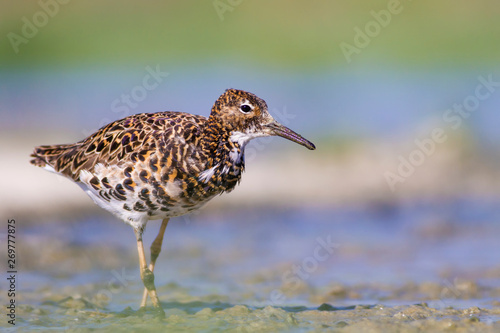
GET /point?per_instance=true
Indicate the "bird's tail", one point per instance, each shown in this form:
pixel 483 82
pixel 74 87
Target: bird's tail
pixel 48 157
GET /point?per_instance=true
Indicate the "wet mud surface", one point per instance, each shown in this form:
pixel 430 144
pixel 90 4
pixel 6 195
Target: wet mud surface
pixel 77 314
pixel 417 269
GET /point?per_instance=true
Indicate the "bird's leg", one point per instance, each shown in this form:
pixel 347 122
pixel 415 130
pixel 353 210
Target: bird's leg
pixel 155 251
pixel 148 278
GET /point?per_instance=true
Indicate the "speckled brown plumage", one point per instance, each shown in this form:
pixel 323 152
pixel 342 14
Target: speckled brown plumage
pixel 148 162
pixel 159 165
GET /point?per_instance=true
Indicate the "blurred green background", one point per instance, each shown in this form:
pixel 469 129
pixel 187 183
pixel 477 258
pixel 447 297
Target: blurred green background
pixel 288 35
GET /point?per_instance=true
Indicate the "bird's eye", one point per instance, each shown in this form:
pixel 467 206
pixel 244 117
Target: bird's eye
pixel 245 108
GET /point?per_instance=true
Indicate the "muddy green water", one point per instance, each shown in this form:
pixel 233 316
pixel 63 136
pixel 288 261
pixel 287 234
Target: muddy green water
pixel 415 268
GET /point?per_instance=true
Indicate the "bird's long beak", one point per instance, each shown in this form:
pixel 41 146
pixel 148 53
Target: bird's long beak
pixel 276 128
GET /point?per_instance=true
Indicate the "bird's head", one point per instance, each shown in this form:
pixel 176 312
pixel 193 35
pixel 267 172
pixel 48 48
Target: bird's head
pixel 246 117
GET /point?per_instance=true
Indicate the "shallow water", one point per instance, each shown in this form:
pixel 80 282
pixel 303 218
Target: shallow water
pixel 409 267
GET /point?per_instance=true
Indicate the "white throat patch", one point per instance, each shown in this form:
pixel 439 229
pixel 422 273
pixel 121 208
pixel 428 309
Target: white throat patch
pixel 242 139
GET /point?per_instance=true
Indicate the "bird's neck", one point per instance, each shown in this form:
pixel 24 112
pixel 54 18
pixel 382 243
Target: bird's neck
pixel 214 133
pixel 217 142
pixel 225 155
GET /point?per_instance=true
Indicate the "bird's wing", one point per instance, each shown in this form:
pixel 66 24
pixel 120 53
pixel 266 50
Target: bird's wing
pixel 130 139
